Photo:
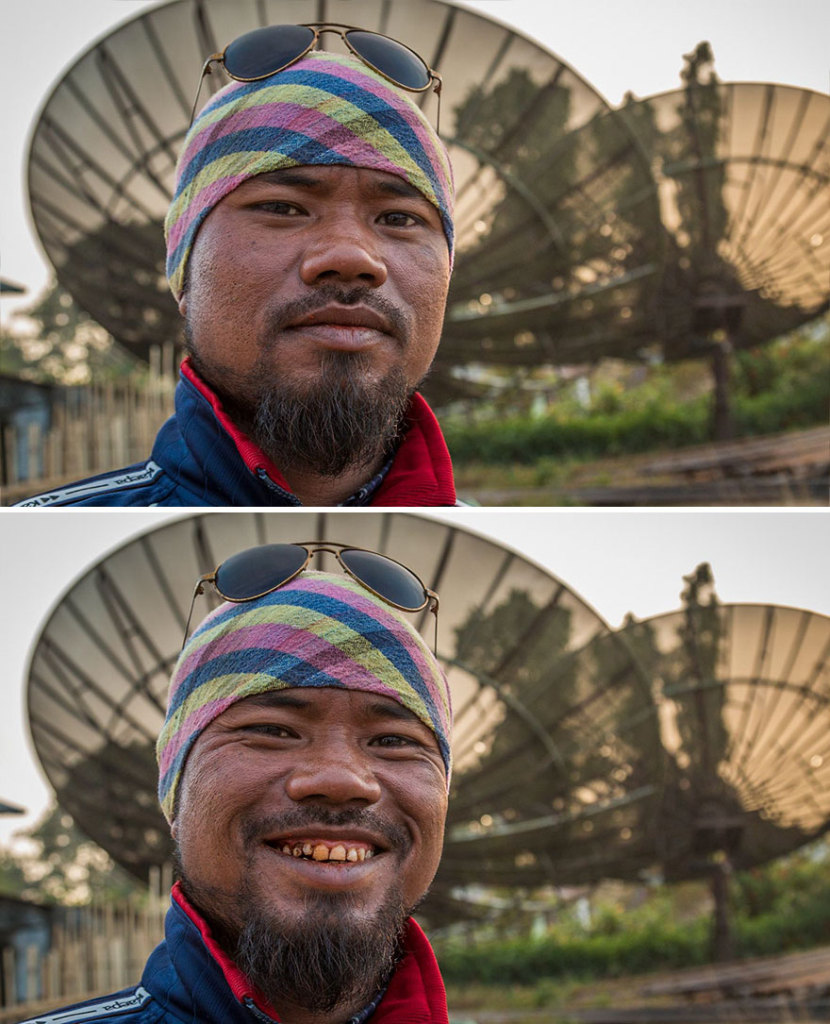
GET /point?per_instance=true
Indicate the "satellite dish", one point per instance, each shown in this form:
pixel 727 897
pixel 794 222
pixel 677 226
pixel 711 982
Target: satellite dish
pixel 99 672
pixel 743 693
pixel 743 171
pixel 695 743
pixel 744 696
pixel 557 215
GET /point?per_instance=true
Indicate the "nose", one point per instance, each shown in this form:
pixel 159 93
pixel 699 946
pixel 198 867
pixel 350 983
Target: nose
pixel 344 249
pixel 337 774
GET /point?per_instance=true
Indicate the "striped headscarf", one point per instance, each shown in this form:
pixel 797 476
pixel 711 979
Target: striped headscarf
pixel 325 109
pixel 321 629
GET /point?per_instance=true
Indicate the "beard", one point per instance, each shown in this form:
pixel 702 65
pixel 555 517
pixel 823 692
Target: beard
pixel 344 420
pixel 329 952
pixel 326 961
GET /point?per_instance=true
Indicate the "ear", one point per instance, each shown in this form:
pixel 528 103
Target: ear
pixel 174 830
pixel 182 303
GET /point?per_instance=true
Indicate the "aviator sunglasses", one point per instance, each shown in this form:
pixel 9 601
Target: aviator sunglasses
pixel 265 51
pixel 258 571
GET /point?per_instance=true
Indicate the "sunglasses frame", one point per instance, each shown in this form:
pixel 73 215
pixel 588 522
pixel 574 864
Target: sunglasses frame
pixel 319 28
pixel 311 549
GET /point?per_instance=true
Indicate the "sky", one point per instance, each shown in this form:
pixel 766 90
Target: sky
pixel 616 45
pixel 619 561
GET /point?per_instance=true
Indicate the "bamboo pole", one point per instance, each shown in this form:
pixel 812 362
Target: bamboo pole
pixel 9 976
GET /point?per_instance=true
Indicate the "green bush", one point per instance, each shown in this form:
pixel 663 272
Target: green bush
pixel 781 387
pixel 526 441
pixel 794 894
pixel 527 961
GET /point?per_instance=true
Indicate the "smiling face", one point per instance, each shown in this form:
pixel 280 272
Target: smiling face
pixel 302 263
pixel 311 797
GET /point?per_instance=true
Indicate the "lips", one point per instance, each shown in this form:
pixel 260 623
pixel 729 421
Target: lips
pixel 360 317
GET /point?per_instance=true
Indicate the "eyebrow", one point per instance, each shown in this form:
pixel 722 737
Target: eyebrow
pixel 277 699
pixel 400 188
pixel 381 709
pixel 384 709
pixel 304 177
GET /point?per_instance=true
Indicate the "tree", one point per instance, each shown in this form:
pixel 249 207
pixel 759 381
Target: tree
pixel 62 866
pixel 66 346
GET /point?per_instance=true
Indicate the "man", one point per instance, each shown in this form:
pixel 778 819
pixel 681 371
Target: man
pixel 309 248
pixel 303 766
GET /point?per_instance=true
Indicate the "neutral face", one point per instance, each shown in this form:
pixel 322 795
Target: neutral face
pixel 312 792
pixel 301 261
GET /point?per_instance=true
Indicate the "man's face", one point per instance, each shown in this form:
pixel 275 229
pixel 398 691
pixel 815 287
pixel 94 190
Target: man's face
pixel 310 797
pixel 300 263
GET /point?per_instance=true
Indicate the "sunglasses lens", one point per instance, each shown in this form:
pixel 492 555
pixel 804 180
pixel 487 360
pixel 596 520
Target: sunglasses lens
pixel 391 59
pixel 258 570
pixel 385 577
pixel 266 50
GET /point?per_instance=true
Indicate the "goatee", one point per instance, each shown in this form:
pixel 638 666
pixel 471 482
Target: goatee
pixel 347 419
pixel 327 961
pixel 328 957
pixel 344 422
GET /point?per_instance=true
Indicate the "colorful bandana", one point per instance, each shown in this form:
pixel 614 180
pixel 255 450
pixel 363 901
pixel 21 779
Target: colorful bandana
pixel 325 109
pixel 321 629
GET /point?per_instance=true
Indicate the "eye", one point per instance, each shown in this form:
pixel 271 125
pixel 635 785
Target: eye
pixel 269 729
pixel 280 207
pixel 399 219
pixel 394 740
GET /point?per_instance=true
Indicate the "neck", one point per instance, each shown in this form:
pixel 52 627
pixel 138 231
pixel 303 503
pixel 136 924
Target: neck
pixel 299 1015
pixel 313 489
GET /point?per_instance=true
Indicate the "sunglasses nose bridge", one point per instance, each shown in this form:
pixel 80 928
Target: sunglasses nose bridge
pixel 321 30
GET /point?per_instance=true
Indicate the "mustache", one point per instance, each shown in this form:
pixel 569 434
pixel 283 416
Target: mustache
pixel 395 835
pixel 328 293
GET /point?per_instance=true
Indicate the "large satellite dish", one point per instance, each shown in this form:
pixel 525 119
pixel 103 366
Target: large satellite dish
pixel 557 214
pixel 744 697
pixel 743 171
pixel 719 761
pixel 743 693
pixel 507 635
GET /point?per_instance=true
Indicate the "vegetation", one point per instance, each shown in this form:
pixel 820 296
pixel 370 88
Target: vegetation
pixel 62 344
pixel 779 387
pixel 780 907
pixel 56 863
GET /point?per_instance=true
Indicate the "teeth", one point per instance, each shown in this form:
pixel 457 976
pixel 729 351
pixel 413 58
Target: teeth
pixel 321 852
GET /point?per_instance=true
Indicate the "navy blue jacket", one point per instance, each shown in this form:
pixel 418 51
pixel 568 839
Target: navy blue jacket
pixel 201 458
pixel 189 979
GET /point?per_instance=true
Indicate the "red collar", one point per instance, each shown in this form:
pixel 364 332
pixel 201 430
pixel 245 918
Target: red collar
pixel 421 473
pixel 415 994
